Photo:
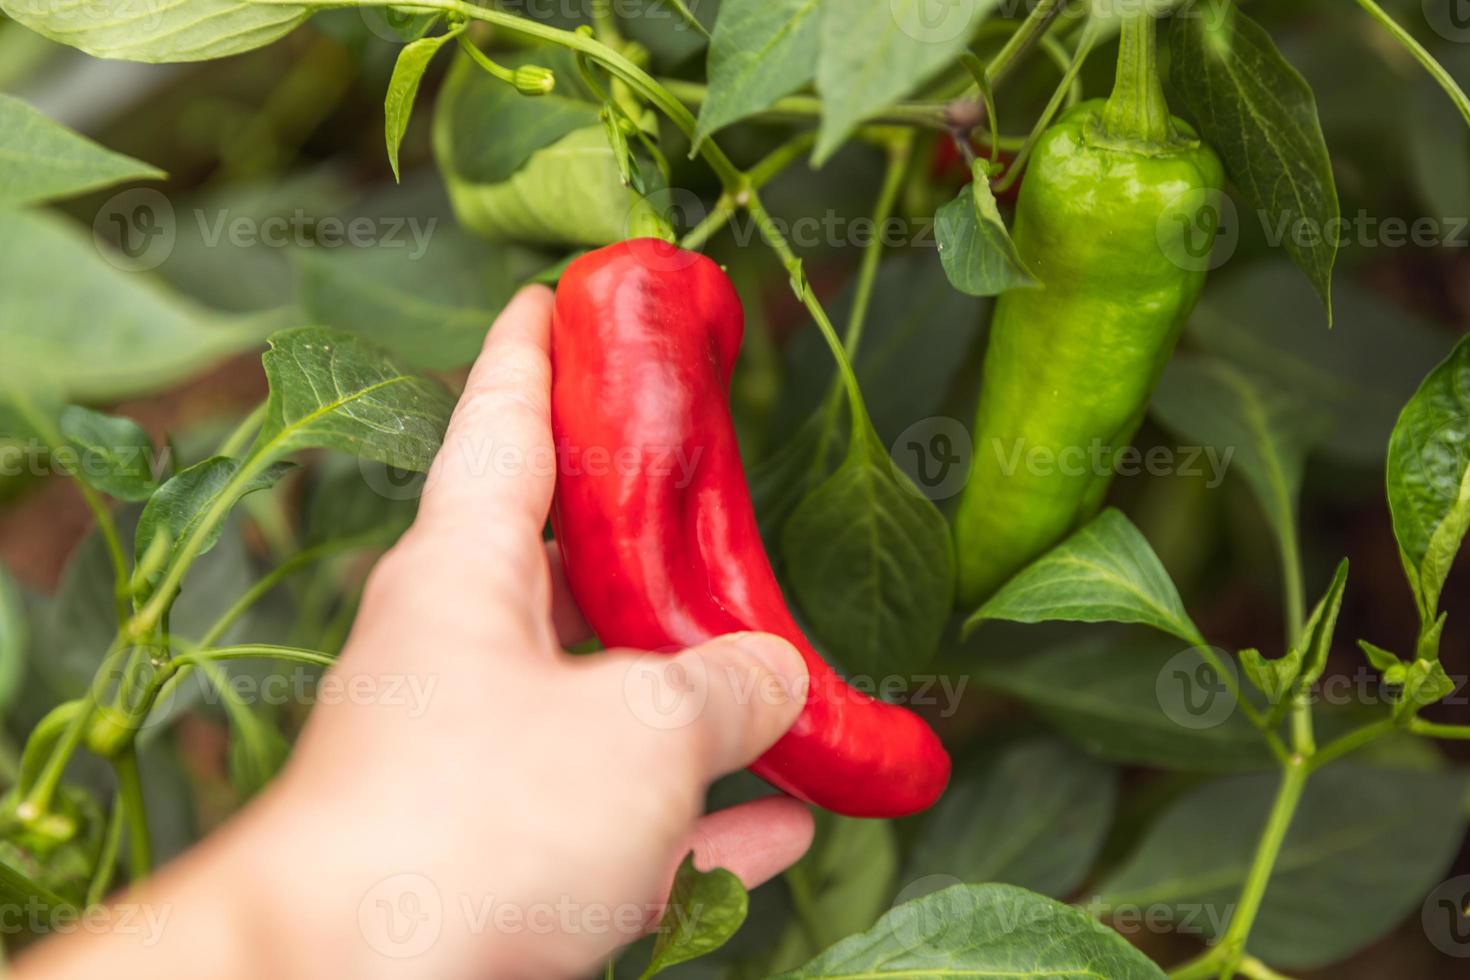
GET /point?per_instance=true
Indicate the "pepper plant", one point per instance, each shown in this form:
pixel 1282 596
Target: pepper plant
pixel 1177 793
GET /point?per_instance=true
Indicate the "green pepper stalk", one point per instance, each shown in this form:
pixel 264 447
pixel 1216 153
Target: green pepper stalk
pixel 1116 194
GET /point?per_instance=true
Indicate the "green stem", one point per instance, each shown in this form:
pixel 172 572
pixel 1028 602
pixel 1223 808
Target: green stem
pixel 900 151
pixel 804 108
pixel 1351 742
pixel 130 799
pixel 765 170
pixel 792 265
pixel 240 436
pixel 253 651
pixel 1292 589
pixel 1227 677
pixel 37 802
pixel 1205 965
pixel 1032 28
pixel 1433 729
pixel 605 25
pixel 1288 795
pixel 1256 970
pixel 288 567
pixel 1436 70
pixel 1064 91
pixel 1136 112
pixel 107 858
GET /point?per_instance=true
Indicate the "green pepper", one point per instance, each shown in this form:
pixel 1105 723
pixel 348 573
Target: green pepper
pixel 1115 200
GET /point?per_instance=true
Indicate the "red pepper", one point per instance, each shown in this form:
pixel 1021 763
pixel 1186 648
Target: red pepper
pixel 655 521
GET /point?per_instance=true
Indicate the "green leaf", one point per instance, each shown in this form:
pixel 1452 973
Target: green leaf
pixel 1424 683
pixel 1315 643
pixel 1262 430
pixel 1151 704
pixel 873 54
pixel 115 455
pixel 761 50
pixel 485 131
pixel 99 332
pixel 1105 572
pixel 536 170
pixel 977 252
pixel 184 503
pixel 983 932
pixel 403 87
pixel 871 562
pixel 429 302
pixel 781 481
pixel 329 390
pixel 41 160
pixel 705 909
pixel 1382 660
pixel 1363 849
pixel 15 638
pixel 1356 375
pixel 686 15
pixel 352 498
pixel 1035 815
pixel 1300 667
pixel 1261 117
pixel 170 30
pixel 1429 477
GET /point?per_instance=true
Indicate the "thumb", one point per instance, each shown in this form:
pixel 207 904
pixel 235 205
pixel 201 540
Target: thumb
pixel 732 696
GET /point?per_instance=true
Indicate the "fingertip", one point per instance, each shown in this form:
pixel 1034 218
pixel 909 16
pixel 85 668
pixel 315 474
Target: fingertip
pixel 779 656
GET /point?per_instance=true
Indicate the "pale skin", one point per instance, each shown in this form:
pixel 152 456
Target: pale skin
pixel 529 795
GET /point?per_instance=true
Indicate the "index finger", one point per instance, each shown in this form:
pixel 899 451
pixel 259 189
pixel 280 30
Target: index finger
pixel 490 485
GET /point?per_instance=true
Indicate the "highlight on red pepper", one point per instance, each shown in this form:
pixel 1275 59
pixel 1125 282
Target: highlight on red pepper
pixel 662 557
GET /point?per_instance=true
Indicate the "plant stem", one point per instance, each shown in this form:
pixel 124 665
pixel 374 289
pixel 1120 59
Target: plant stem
pixel 38 801
pixel 1032 28
pixel 804 108
pixel 288 567
pixel 1064 91
pixel 900 151
pixel 253 651
pixel 1136 112
pixel 765 170
pixel 107 858
pixel 240 436
pixel 1288 795
pixel 1351 742
pixel 130 799
pixel 1436 70
pixel 1436 730
pixel 1256 970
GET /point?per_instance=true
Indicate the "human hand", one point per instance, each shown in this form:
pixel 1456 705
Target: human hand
pixel 527 817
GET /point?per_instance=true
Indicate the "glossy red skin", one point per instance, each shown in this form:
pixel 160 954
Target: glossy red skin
pixel 643 342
